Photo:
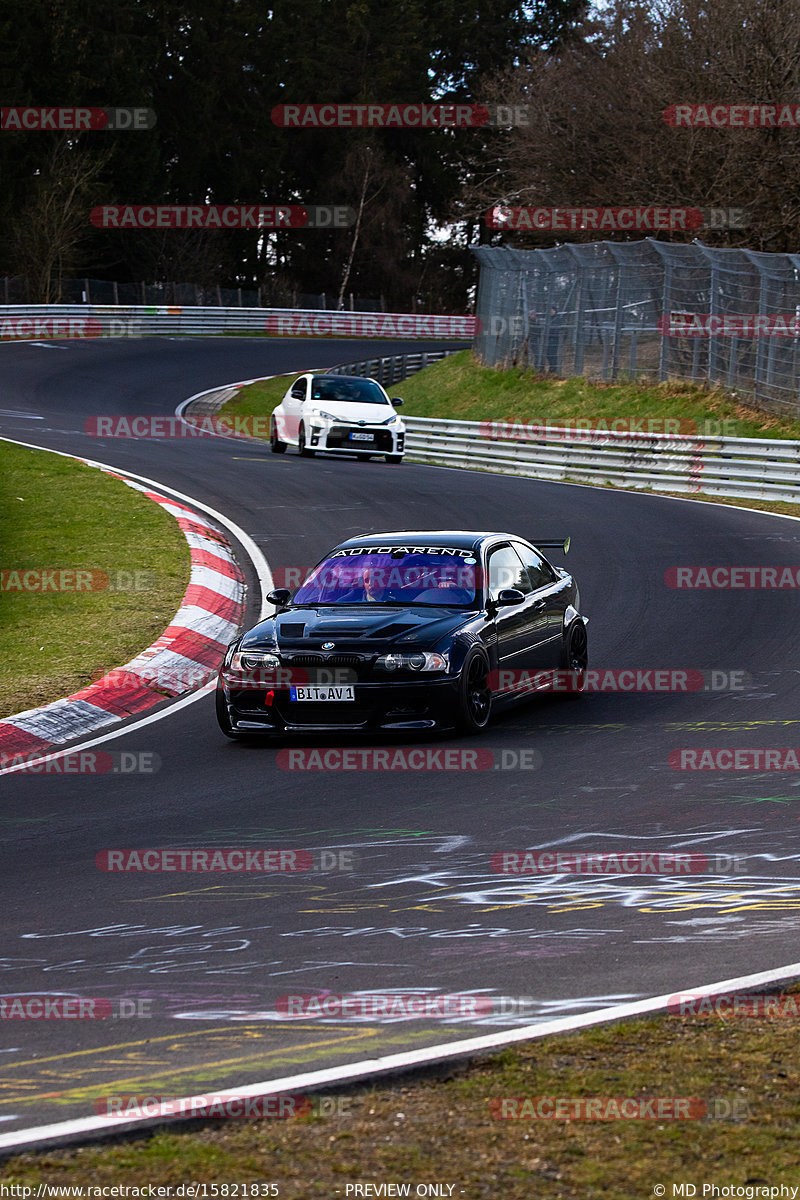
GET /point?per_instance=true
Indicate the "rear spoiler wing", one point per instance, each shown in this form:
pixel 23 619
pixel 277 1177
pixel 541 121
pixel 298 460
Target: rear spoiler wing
pixel 563 544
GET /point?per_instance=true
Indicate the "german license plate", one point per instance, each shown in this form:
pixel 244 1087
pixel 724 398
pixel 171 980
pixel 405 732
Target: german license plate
pixel 361 437
pixel 326 692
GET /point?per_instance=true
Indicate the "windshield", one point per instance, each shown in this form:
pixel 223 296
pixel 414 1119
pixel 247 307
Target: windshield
pixel 332 388
pixel 446 580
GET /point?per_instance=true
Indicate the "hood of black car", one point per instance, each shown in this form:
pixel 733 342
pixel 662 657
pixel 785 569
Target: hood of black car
pixel 356 626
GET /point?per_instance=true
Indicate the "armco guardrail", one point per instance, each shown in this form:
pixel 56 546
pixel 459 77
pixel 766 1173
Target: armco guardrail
pixel 26 321
pixel 393 368
pixel 749 468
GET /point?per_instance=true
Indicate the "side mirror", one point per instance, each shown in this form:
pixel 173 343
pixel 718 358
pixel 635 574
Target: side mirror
pixel 397 402
pixel 279 596
pixel 509 596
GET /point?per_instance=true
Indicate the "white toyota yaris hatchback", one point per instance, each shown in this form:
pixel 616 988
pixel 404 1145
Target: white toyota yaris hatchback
pixel 339 414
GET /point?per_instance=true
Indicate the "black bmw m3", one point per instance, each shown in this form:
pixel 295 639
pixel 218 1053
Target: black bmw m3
pixel 407 631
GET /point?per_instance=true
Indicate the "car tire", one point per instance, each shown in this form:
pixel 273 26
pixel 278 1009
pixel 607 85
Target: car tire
pixel 393 458
pixel 575 658
pixel 302 448
pixel 223 719
pixel 275 444
pixel 474 704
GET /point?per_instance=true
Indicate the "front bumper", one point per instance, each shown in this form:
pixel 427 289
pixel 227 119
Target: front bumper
pixel 417 704
pixel 338 439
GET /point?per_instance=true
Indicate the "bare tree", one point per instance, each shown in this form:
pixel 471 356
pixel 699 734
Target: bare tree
pixel 47 235
pixel 380 191
pixel 366 167
pixel 597 133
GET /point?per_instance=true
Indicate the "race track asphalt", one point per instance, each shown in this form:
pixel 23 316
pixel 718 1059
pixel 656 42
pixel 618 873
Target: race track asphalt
pixel 202 960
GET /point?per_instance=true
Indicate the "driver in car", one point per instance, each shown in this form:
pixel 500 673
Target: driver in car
pixel 374 583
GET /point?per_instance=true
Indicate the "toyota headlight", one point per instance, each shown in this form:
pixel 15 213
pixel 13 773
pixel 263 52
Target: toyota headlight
pixel 326 416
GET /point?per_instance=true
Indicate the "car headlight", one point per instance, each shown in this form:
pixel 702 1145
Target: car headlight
pixel 390 420
pixel 413 660
pixel 326 416
pixel 255 660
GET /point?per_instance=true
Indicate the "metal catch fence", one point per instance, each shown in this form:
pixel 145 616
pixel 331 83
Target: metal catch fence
pixel 626 310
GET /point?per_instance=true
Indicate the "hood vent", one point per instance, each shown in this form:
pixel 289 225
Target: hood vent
pixel 391 630
pixel 288 629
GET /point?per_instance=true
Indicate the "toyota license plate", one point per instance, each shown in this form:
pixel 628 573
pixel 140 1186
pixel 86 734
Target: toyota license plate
pixel 318 693
pixel 361 437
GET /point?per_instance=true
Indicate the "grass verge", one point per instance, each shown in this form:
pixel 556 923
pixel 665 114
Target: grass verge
pixel 60 515
pixel 439 1127
pixel 458 387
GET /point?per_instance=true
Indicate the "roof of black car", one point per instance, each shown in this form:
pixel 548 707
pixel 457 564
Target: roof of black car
pixel 461 539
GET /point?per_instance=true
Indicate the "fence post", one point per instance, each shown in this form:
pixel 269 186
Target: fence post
pixel 617 334
pixel 580 314
pixel 713 308
pixel 663 365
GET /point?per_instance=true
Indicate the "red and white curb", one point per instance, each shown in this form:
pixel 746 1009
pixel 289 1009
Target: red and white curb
pixel 185 657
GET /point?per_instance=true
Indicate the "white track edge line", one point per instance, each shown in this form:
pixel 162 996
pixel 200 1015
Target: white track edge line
pixel 393 1062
